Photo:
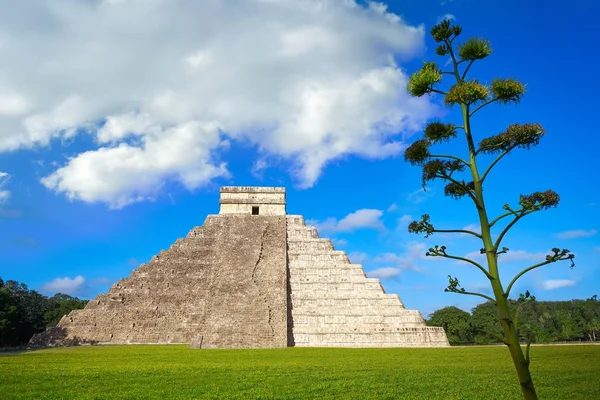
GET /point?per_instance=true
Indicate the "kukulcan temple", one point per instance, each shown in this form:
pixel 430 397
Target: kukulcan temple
pixel 249 277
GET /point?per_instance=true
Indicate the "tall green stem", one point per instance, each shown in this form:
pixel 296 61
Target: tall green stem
pixel 511 337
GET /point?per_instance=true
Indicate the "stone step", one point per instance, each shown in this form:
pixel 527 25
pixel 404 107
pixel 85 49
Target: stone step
pixel 327 278
pixel 423 343
pixel 294 220
pixel 368 284
pixel 309 245
pixel 342 301
pixel 302 266
pixel 374 320
pixel 189 245
pixel 299 234
pixel 339 296
pixel 362 304
pixel 378 333
pixel 341 329
pixel 424 337
pixel 345 290
pixel 315 252
pixel 395 310
pixel 329 256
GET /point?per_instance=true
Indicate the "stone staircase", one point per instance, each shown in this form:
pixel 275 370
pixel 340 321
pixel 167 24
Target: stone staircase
pixel 333 303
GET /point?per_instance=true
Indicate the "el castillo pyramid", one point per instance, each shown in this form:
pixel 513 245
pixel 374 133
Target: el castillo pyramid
pixel 251 276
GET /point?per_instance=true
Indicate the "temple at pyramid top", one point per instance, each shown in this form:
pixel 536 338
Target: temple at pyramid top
pixel 252 200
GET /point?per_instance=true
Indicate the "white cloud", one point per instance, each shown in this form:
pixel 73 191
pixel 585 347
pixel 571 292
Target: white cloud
pixel 364 218
pixel 473 256
pixel 419 196
pixel 597 248
pixel 102 281
pixel 552 284
pixel 339 242
pixel 384 273
pixel 510 256
pixel 444 17
pixel 393 207
pixel 404 220
pixel 522 255
pixel 4 194
pixel 74 286
pixel 126 174
pixel 473 228
pixel 482 287
pixel 408 260
pixel 357 257
pixel 580 233
pixel 259 167
pixel 306 82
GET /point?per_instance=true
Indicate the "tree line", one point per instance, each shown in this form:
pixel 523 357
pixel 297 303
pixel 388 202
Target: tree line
pixel 539 321
pixel 24 312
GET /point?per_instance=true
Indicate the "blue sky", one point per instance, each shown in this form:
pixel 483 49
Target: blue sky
pixel 120 120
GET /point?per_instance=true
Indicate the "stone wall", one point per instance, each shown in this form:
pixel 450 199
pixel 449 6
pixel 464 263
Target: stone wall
pixel 224 285
pixel 242 199
pixel 333 303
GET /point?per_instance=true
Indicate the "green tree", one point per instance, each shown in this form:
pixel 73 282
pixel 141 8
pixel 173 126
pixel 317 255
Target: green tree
pixel 456 323
pixel 21 313
pixel 59 305
pixel 485 323
pixel 471 96
pixel 24 312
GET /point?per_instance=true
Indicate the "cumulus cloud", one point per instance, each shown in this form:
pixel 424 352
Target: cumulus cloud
pixel 70 286
pixel 357 257
pixel 364 218
pixel 473 228
pixel 444 17
pixel 580 233
pixel 339 242
pixel 4 194
pixel 419 196
pixel 306 82
pixel 125 174
pixel 259 167
pixel 553 284
pixel 384 273
pixel 102 281
pixel 408 260
pixel 404 220
pixel 511 256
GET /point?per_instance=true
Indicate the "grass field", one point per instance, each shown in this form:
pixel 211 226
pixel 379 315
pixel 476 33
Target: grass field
pixel 166 372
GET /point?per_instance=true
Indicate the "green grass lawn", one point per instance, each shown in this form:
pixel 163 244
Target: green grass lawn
pixel 166 372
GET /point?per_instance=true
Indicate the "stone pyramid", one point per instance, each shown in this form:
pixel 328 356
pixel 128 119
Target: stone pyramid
pixel 251 276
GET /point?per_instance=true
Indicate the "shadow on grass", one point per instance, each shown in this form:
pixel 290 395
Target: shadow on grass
pixel 54 337
pixel 12 351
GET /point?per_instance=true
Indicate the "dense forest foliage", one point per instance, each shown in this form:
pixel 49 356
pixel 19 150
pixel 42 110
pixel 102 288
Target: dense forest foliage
pixel 539 321
pixel 24 312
